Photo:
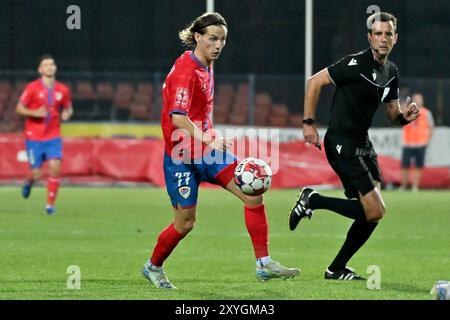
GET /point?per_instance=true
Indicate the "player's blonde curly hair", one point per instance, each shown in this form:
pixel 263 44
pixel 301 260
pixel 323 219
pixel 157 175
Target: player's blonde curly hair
pixel 198 25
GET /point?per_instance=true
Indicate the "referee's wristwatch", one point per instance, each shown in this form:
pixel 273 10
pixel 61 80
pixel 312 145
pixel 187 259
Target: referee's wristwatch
pixel 309 121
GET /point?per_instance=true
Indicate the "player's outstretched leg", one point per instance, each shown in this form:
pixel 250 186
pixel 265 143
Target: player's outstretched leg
pixel 258 229
pixel 301 208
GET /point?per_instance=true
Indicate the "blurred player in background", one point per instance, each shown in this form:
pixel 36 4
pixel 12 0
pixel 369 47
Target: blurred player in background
pixel 41 103
pixel 363 81
pixel 416 137
pixel 188 102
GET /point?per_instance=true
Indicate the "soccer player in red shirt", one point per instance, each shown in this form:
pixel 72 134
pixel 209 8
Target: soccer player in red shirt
pixel 41 103
pixel 188 103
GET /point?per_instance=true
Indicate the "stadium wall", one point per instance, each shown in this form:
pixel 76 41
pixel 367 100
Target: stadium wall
pixel 140 160
pixel 387 141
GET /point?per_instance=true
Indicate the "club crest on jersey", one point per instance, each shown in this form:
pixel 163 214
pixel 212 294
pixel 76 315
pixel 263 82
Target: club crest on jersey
pixel 181 97
pixel 185 192
pixel 58 96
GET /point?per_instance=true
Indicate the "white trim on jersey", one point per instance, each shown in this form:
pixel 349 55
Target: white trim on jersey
pixel 330 77
pixel 375 83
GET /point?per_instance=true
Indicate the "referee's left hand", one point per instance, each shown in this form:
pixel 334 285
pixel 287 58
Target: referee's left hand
pixel 412 111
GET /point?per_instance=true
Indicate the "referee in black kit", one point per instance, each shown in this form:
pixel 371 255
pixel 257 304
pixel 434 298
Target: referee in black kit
pixel 363 81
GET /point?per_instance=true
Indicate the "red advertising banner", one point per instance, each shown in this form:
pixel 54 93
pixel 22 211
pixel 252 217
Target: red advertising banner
pixel 141 160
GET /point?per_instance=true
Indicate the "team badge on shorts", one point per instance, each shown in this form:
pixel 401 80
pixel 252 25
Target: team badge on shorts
pixel 184 192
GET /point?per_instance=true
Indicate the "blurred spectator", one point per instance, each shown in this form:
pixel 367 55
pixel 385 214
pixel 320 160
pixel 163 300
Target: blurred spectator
pixel 416 136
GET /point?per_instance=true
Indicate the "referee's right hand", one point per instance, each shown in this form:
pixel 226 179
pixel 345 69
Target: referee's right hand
pixel 310 135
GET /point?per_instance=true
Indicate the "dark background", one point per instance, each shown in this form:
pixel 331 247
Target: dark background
pixel 265 37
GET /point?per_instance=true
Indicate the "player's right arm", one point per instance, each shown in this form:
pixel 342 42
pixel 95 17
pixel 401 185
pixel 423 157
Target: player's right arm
pixel 181 121
pixel 22 110
pixel 313 88
pixel 25 100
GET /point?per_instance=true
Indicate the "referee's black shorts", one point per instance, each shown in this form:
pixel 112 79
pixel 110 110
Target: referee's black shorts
pixel 355 162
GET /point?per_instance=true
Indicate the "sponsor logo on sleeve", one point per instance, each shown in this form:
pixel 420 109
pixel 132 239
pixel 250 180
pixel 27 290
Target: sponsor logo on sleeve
pixel 181 97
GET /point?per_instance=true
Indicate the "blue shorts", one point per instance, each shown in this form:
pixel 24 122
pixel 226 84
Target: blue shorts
pixel 183 179
pixel 40 151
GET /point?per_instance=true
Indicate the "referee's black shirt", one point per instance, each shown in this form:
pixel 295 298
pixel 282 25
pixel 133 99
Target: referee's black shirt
pixel 361 85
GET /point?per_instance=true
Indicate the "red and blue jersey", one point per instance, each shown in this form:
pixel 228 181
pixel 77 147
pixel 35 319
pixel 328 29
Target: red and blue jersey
pixel 36 95
pixel 188 90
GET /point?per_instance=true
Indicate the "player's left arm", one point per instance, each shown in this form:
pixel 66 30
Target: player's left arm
pixel 395 114
pixel 67 112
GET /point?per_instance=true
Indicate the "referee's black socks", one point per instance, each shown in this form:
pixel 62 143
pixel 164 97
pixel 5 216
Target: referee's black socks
pixel 352 209
pixel 357 235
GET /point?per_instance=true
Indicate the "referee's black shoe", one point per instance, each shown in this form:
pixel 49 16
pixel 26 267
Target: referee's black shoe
pixel 346 274
pixel 301 208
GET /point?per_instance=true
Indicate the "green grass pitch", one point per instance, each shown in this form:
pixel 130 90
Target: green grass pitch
pixel 109 234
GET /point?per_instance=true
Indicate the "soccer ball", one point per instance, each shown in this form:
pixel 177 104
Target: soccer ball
pixel 441 290
pixel 253 176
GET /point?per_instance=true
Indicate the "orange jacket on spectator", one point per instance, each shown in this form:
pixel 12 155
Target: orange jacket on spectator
pixel 417 133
